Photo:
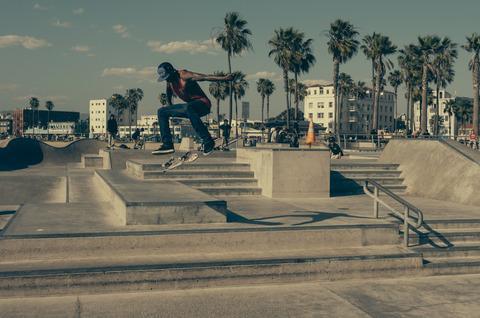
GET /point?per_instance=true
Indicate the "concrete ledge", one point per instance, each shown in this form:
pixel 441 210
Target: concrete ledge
pixel 169 202
pixel 92 161
pixel 289 172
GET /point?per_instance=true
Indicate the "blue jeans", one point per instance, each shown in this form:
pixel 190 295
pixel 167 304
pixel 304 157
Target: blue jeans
pixel 192 110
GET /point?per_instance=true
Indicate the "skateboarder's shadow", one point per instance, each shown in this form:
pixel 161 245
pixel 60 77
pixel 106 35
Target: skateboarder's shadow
pixel 313 216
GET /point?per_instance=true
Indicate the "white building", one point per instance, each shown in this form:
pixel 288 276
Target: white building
pixel 99 112
pixel 449 124
pixel 356 116
pixel 54 128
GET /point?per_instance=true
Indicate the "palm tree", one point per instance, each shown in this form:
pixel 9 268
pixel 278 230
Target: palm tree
pixel 464 111
pixel 49 106
pixel 34 104
pixel 302 61
pixel 381 48
pixel 132 97
pixel 443 73
pixel 368 48
pixel 269 89
pixel 428 47
pixel 345 86
pixel 451 108
pixel 239 85
pixel 342 45
pixel 234 38
pixel 261 90
pixel 219 91
pixel 281 50
pixel 409 62
pixel 395 80
pixel 118 103
pixel 162 98
pixel 473 46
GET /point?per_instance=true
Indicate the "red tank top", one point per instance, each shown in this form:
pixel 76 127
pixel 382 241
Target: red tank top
pixel 189 91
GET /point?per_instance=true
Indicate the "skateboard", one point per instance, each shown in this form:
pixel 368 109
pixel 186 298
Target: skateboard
pixel 188 157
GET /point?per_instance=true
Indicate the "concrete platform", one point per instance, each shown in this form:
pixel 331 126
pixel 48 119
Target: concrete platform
pixel 169 202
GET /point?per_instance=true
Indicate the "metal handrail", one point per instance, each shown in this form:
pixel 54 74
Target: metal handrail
pixel 407 207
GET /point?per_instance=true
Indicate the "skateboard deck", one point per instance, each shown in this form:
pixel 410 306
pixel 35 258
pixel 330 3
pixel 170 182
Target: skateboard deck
pixel 188 157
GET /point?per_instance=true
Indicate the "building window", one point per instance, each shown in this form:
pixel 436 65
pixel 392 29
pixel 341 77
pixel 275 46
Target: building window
pixel 330 104
pixel 328 92
pixel 441 95
pixel 320 105
pixel 321 91
pixel 310 115
pixel 320 115
pixel 330 115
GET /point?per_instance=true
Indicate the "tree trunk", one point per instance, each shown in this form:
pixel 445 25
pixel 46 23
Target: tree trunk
pixel 376 100
pixel 33 122
pixel 285 82
pixel 130 122
pixel 218 117
pixel 296 97
pixel 395 111
pixel 263 108
pixel 373 83
pixel 423 123
pixel 268 107
pixel 236 117
pixel 437 113
pixel 475 79
pixel 230 90
pixel 336 70
pixel 48 124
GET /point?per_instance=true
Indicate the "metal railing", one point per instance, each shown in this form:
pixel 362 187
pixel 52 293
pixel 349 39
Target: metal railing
pixel 408 221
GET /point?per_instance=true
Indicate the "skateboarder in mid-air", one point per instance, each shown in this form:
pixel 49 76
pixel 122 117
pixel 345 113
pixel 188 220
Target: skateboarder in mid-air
pixel 196 104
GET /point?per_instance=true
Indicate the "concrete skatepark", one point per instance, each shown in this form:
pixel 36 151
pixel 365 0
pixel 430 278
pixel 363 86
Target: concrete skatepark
pixel 80 221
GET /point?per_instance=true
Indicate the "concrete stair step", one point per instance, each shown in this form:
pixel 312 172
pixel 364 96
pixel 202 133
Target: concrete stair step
pixel 458 250
pixel 188 239
pixel 453 223
pixel 361 180
pixel 99 275
pixel 199 166
pixel 447 236
pixel 226 191
pixel 228 182
pixel 367 173
pixel 452 265
pixel 198 174
pixel 363 166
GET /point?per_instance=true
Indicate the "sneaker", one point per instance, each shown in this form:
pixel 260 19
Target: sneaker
pixel 208 147
pixel 164 149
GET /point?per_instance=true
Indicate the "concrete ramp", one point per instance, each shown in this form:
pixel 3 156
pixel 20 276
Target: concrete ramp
pixel 21 153
pixel 433 169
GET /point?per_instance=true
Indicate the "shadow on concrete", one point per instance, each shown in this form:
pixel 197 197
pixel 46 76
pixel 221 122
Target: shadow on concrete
pixel 341 186
pixel 314 217
pixel 21 153
pixel 426 238
pixel 233 217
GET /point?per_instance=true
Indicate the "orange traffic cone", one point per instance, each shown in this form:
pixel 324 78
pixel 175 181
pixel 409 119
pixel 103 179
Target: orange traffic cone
pixel 310 134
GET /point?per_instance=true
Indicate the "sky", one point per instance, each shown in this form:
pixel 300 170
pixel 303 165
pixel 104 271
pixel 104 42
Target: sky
pixel 74 51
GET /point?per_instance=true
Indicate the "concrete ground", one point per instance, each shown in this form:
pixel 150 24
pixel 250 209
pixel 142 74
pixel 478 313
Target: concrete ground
pixel 445 296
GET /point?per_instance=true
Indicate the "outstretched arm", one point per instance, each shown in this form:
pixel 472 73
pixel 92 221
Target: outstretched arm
pixel 187 75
